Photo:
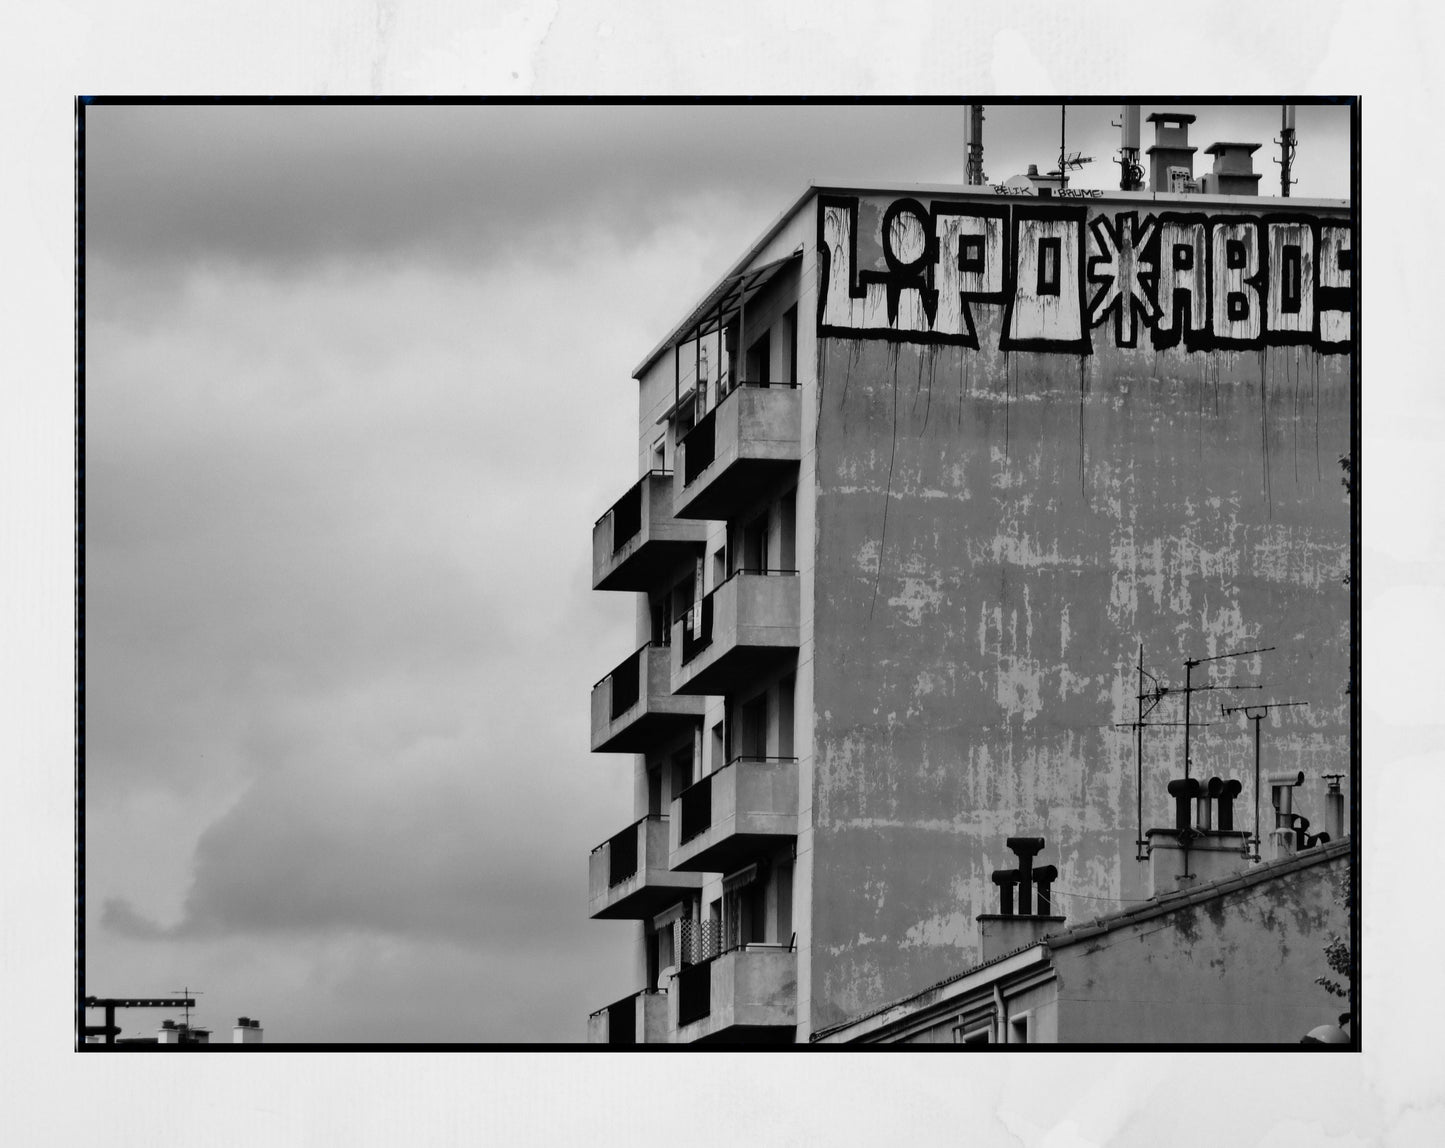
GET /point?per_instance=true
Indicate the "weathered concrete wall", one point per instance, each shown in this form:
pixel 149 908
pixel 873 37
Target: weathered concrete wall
pixel 1238 968
pixel 998 531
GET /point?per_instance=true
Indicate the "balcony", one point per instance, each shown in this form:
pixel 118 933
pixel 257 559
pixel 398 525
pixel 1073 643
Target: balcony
pixel 638 1019
pixel 740 448
pixel 633 707
pixel 741 630
pixel 638 541
pixel 746 994
pixel 723 821
pixel 628 877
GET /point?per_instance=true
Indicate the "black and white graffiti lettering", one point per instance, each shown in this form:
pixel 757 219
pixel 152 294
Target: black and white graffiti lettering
pixel 1126 278
pixel 1195 282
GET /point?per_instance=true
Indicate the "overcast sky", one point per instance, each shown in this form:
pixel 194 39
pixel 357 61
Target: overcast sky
pixel 357 385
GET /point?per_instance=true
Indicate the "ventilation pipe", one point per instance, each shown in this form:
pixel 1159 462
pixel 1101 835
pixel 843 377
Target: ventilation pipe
pixel 1005 931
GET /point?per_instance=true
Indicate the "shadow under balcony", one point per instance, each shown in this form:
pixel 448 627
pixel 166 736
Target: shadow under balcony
pixel 740 448
pixel 638 541
pixel 746 994
pixel 744 628
pixel 725 819
pixel 633 707
pixel 628 876
pixel 637 1019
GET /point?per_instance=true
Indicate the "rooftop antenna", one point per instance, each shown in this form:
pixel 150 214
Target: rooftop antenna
pixel 189 1001
pixel 1066 161
pixel 1190 688
pixel 1148 698
pixel 110 1030
pixel 973 141
pixel 1131 173
pixel 1150 693
pixel 1255 713
pixel 1286 143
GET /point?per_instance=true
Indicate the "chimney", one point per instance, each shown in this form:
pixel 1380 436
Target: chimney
pixel 1290 834
pixel 1008 930
pixel 1171 159
pixel 1203 844
pixel 247 1031
pixel 1233 172
pixel 1334 807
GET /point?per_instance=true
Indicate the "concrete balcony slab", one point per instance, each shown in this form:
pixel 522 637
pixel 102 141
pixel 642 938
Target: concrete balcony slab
pixel 629 878
pixel 750 441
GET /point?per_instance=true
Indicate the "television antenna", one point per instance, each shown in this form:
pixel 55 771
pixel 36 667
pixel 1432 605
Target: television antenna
pixel 1067 162
pixel 1152 691
pixel 189 996
pixel 1256 713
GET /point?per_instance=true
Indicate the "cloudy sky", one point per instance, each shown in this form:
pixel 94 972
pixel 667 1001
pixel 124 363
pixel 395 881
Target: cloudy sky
pixel 357 385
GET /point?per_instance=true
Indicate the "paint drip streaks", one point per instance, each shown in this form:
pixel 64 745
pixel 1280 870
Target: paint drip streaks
pixel 887 491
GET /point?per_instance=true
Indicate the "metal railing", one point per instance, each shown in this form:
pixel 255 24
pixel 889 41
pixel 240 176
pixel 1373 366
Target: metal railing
pixel 624 853
pixel 697 636
pixel 626 512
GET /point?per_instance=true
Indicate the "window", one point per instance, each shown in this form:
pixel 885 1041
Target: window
pixel 659 454
pixel 719 746
pixel 1018 1029
pixel 962 1034
pixel 719 566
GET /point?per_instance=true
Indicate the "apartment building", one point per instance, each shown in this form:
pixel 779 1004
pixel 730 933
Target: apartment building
pixel 918 480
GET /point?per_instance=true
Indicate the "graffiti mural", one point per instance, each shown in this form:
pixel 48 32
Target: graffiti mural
pixel 917 273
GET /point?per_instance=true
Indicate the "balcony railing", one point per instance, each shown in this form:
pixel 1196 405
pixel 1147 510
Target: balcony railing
pixel 750 440
pixel 628 877
pixel 734 814
pixel 633 706
pixel 742 627
pixel 637 1019
pixel 637 541
pixel 746 992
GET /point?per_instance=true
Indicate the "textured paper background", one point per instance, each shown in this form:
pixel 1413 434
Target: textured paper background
pixel 1387 51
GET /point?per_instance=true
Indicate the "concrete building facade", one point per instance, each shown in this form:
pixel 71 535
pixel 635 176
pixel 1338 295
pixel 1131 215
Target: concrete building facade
pixel 919 477
pixel 1230 961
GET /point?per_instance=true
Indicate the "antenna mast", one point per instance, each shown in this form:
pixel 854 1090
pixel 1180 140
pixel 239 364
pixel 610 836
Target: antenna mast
pixel 973 141
pixel 1286 143
pixel 1255 713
